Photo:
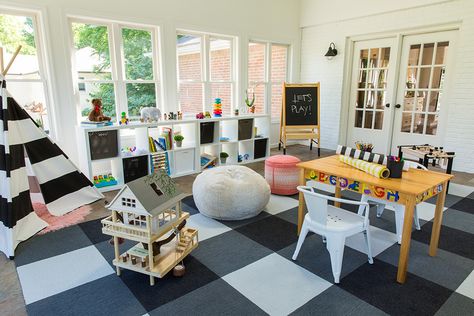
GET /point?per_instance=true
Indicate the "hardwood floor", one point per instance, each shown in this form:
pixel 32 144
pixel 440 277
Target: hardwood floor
pixel 11 298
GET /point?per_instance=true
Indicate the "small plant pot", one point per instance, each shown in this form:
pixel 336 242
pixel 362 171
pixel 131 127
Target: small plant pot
pixel 223 160
pixel 179 143
pixel 396 168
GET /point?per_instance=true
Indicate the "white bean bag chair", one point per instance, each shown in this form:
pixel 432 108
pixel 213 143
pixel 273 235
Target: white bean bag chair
pixel 230 193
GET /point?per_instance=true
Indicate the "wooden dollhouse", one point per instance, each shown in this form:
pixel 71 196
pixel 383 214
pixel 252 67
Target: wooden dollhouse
pixel 148 211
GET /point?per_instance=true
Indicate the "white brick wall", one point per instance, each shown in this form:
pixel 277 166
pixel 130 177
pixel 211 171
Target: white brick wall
pixel 459 136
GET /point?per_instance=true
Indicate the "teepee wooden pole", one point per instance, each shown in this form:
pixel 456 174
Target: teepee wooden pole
pixel 5 71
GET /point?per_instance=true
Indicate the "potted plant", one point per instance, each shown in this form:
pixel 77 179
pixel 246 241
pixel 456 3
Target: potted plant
pixel 223 157
pixel 179 140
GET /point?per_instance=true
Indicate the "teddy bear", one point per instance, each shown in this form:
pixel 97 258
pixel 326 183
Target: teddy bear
pixel 96 114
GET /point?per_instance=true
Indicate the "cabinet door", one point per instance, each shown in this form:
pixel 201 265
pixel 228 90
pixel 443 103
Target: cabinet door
pixel 184 161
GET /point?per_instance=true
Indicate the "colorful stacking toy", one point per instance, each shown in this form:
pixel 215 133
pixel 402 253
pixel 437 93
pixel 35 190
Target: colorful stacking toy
pixel 217 107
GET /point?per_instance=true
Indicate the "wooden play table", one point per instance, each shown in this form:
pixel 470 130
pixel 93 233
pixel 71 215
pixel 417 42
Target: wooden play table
pixel 414 187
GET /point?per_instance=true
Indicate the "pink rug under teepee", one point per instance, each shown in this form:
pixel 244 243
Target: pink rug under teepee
pixel 58 222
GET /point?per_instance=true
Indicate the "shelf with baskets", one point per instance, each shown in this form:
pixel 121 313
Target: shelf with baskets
pixel 126 152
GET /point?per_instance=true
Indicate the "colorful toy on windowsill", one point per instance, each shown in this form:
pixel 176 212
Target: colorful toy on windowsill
pixel 124 120
pixel 105 180
pixel 200 116
pixel 207 114
pixel 96 114
pixel 217 107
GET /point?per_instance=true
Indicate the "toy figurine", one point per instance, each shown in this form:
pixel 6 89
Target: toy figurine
pixel 180 115
pixel 165 116
pixel 124 119
pixel 200 115
pixel 170 116
pixel 208 114
pixel 96 114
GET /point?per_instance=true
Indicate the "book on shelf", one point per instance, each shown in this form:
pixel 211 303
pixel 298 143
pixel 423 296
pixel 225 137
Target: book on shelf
pixel 96 124
pixel 207 161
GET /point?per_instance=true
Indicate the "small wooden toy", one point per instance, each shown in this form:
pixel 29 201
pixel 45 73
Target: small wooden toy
pixel 148 211
pixel 165 117
pixel 180 115
pixel 124 120
pixel 171 116
pixel 200 115
pixel 217 107
pixel 150 114
pixel 208 114
pixel 96 114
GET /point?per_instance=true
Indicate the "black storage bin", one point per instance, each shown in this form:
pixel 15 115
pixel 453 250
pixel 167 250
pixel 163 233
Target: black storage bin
pixel 396 168
pixel 260 148
pixel 207 132
pixel 103 144
pixel 134 167
pixel 245 129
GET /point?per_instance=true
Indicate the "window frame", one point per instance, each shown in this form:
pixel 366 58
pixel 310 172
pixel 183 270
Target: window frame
pixel 206 80
pixel 117 62
pixel 43 65
pixel 267 82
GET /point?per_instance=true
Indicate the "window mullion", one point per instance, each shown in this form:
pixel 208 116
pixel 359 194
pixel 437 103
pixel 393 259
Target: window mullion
pixel 268 67
pixel 116 58
pixel 205 75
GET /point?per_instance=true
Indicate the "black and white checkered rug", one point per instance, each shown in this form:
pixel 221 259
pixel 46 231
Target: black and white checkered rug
pixel 245 268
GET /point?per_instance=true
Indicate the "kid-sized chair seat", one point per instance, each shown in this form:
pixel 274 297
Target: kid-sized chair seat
pixel 334 224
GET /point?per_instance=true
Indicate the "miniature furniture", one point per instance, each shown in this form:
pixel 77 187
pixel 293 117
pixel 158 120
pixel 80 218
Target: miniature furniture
pixel 148 211
pixel 414 187
pixel 230 193
pixel 398 208
pixel 428 154
pixel 334 224
pixel 282 174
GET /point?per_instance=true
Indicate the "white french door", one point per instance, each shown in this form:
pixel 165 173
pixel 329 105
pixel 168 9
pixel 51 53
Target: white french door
pixel 421 108
pixel 394 105
pixel 373 78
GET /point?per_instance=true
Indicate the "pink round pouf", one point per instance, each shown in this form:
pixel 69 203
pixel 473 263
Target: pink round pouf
pixel 282 174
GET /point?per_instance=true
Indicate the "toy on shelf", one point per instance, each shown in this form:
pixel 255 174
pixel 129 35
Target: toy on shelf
pixel 241 158
pixel 97 114
pixel 124 120
pixel 128 151
pixel 200 116
pixel 150 114
pixel 105 180
pixel 172 116
pixel 165 116
pixel 159 160
pixel 180 115
pixel 217 107
pixel 207 114
pixel 148 211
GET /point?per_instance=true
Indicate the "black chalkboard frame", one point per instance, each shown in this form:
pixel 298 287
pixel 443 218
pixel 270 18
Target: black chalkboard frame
pixel 284 105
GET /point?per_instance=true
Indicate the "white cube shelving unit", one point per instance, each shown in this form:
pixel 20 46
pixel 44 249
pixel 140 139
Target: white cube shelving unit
pixel 102 150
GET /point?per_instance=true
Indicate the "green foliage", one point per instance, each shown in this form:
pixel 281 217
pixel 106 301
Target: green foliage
pixel 15 31
pixel 178 138
pixel 137 46
pixel 224 154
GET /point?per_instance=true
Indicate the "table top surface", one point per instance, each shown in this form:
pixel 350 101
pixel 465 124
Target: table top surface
pixel 413 181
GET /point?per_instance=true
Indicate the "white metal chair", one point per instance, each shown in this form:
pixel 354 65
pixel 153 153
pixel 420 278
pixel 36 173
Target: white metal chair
pixel 398 208
pixel 334 224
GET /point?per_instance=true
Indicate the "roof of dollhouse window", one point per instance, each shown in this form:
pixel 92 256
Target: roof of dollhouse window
pixel 156 192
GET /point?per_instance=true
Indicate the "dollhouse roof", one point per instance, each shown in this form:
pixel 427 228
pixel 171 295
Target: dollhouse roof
pixel 156 192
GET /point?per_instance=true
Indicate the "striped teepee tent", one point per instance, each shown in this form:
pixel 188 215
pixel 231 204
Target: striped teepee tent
pixel 63 186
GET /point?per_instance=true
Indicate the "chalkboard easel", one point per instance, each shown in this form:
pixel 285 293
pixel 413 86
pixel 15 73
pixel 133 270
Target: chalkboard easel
pixel 300 114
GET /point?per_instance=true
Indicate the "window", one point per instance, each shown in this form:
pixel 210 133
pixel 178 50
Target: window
pixel 118 64
pixel 203 77
pixel 26 77
pixel 267 70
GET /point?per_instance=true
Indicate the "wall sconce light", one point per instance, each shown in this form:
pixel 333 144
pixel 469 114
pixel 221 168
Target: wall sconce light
pixel 332 51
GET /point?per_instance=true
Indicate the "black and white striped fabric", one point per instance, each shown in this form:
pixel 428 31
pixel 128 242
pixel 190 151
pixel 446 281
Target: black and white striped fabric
pixel 63 187
pixel 360 154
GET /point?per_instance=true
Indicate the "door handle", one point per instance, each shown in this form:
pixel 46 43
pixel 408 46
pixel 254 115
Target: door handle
pixel 398 105
pixel 387 105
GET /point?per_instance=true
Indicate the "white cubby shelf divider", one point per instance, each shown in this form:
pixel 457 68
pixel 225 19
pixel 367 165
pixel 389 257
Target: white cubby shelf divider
pixel 114 155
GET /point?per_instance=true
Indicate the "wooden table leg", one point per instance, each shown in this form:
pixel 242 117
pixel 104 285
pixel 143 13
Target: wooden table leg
pixel 337 193
pixel 406 240
pixel 438 218
pixel 301 201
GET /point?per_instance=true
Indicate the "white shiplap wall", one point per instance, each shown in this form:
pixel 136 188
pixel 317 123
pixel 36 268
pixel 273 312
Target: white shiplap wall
pixel 316 37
